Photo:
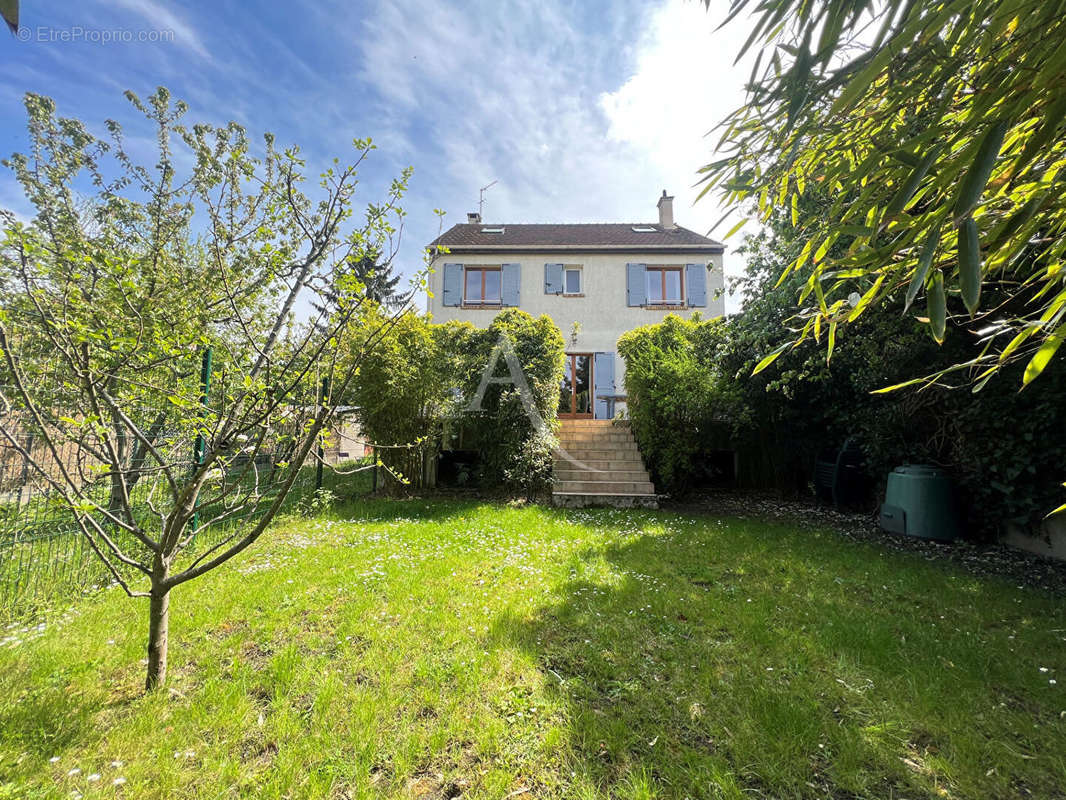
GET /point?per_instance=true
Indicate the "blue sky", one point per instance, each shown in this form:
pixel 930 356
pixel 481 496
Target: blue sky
pixel 582 110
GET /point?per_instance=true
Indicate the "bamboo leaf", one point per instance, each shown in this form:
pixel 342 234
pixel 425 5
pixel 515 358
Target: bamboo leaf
pixel 862 80
pixel 969 265
pixel 1015 222
pixel 893 388
pixel 1042 356
pixel 973 184
pixel 866 299
pixel 1017 342
pixel 920 271
pixel 736 228
pixel 1053 118
pixel 900 199
pixel 937 308
pixel 769 359
pixel 824 248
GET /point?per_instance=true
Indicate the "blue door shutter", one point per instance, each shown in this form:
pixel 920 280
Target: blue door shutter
pixel 453 285
pixel 603 385
pixel 511 280
pixel 696 284
pixel 636 285
pixel 553 279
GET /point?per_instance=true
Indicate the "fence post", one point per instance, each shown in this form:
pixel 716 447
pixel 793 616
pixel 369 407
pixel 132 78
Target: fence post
pixel 25 492
pixel 324 394
pixel 199 449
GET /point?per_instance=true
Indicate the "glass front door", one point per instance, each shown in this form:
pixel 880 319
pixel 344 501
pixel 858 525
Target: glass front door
pixel 575 391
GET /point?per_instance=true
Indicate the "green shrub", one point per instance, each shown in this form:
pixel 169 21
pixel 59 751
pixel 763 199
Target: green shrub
pixel 513 454
pixel 401 393
pixel 677 400
pixel 423 375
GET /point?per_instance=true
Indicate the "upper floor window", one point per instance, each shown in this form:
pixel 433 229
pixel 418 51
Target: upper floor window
pixel 572 280
pixel 482 286
pixel 666 285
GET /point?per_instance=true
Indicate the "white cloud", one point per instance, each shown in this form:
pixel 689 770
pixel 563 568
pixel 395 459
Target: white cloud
pixel 685 84
pixel 162 18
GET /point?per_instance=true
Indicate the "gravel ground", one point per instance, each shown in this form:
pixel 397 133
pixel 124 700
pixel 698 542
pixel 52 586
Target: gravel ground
pixel 1018 566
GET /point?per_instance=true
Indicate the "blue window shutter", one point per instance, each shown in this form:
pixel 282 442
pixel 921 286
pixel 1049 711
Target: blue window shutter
pixel 511 281
pixel 453 285
pixel 603 385
pixel 696 284
pixel 553 279
pixel 636 285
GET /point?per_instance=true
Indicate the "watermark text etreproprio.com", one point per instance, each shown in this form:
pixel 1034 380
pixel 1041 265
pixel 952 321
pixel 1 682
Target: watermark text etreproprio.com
pixel 77 33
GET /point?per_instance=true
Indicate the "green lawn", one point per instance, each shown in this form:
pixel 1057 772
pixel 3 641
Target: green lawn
pixel 431 649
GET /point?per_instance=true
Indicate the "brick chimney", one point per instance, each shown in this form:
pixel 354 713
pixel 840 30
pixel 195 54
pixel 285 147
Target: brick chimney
pixel 473 218
pixel 666 212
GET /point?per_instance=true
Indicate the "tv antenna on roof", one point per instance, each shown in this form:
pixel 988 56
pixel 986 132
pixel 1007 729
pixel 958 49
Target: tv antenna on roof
pixel 481 198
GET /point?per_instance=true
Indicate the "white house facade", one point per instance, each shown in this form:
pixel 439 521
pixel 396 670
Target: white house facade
pixel 596 281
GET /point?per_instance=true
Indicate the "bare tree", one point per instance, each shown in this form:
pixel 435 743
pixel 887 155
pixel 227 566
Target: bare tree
pixel 123 277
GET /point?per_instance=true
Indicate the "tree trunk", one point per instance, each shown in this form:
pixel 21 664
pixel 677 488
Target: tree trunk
pixel 158 629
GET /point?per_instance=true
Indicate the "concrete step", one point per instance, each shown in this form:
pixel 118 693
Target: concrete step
pixel 613 454
pixel 600 431
pixel 624 475
pixel 606 441
pixel 625 464
pixel 622 449
pixel 615 476
pixel 564 500
pixel 605 487
pixel 596 436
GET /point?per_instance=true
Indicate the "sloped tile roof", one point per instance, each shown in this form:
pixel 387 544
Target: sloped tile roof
pixel 594 236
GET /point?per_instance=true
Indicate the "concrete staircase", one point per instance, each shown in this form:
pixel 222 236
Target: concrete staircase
pixel 609 470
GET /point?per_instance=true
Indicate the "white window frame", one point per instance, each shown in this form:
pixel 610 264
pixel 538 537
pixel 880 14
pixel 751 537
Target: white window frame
pixel 580 280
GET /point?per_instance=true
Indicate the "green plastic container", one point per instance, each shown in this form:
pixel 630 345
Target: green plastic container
pixel 920 501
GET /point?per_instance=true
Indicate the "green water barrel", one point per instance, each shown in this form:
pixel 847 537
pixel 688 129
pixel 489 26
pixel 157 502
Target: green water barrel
pixel 920 501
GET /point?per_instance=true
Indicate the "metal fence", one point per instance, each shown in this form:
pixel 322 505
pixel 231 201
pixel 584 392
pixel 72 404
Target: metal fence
pixel 44 558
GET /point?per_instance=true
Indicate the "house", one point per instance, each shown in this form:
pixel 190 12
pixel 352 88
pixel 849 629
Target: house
pixel 596 281
pixel 344 440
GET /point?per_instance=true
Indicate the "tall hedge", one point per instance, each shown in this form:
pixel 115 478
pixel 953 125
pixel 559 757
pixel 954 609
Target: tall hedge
pixel 678 403
pixel 512 452
pixel 423 375
pixel 401 394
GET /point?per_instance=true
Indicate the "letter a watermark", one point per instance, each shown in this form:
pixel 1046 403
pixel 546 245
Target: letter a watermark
pixel 517 378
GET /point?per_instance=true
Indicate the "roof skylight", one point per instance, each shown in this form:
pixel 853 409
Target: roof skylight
pixel 492 230
pixel 643 229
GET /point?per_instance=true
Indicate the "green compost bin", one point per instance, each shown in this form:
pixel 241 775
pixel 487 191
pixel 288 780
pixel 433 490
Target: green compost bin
pixel 920 501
